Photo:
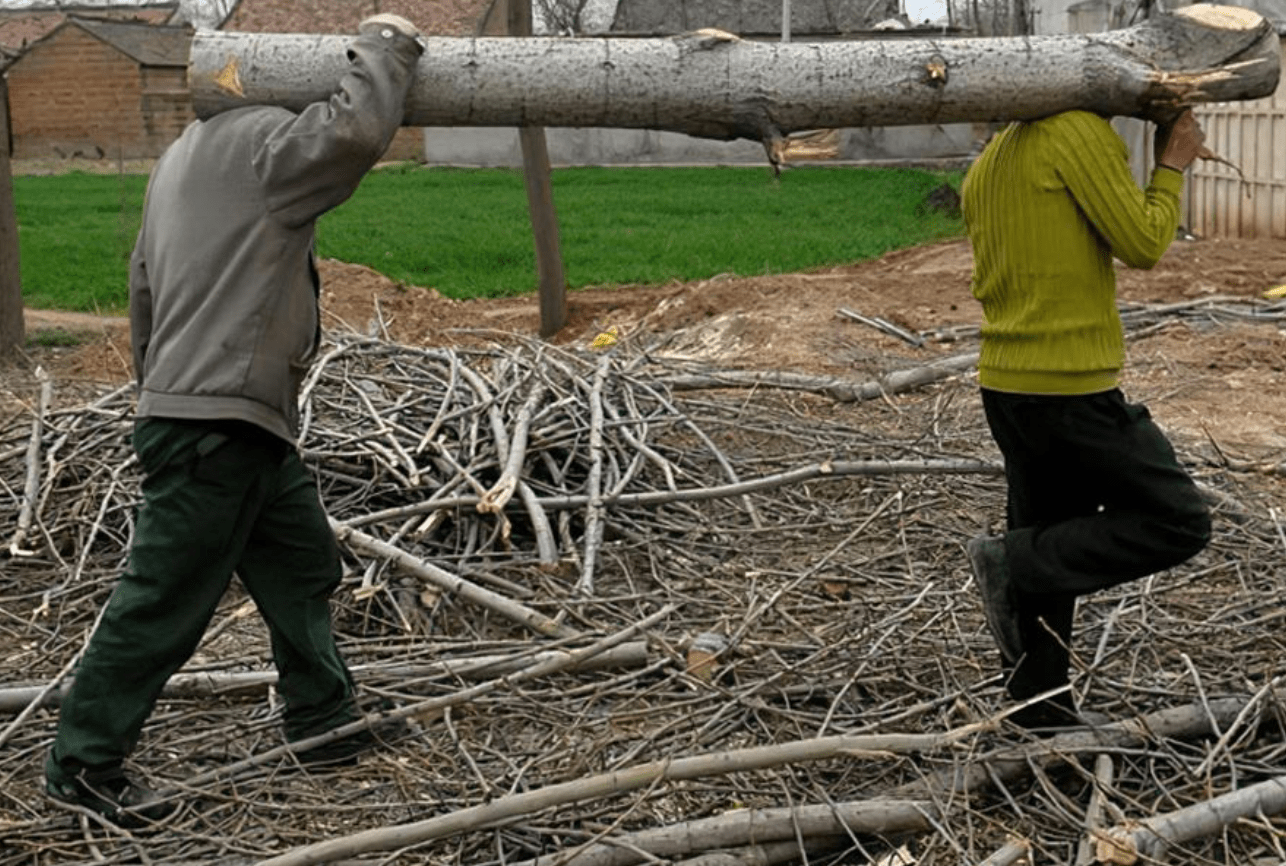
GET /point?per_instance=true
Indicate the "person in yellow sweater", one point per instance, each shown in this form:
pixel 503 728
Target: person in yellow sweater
pixel 1096 496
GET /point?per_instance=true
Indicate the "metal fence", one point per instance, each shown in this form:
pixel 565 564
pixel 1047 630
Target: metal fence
pixel 1251 135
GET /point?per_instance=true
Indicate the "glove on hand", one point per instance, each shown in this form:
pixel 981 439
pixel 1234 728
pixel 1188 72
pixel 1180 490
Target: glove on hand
pixel 1177 143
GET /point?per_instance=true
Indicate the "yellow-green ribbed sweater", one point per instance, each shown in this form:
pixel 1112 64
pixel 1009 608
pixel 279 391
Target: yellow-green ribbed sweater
pixel 1047 205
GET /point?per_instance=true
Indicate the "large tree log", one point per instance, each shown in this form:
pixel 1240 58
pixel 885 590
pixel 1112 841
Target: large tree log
pixel 714 85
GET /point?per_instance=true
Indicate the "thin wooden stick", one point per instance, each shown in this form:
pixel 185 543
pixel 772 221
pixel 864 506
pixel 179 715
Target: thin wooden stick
pixel 769 854
pixel 541 668
pixel 495 499
pixel 827 824
pixel 546 545
pixel 38 698
pixel 1095 822
pixel 594 483
pixel 184 684
pixel 1008 854
pixel 816 471
pixel 31 490
pixel 1149 840
pixel 636 778
pixel 534 620
pixel 845 390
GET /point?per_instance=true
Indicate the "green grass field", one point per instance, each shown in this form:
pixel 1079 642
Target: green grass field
pixel 467 233
pixel 75 233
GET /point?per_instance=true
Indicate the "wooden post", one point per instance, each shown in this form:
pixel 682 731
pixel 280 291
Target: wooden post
pixel 12 327
pixel 540 202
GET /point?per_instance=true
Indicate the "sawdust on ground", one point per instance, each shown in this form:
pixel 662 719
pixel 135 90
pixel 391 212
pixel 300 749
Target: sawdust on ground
pixel 1202 379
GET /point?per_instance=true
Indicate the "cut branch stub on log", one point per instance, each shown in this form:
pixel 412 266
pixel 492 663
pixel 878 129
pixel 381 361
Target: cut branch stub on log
pixel 718 86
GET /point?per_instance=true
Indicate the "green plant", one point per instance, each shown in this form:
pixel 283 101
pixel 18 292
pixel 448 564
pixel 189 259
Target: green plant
pixel 50 338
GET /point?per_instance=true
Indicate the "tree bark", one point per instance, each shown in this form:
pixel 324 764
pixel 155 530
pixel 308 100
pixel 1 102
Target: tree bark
pixel 714 85
pixel 12 326
pixel 1147 841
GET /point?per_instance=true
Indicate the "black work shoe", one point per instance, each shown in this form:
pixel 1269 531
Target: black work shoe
pixel 381 727
pixel 341 752
pixel 1049 718
pixel 999 599
pixel 125 803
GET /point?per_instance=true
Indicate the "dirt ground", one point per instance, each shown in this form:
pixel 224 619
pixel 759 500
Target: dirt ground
pixel 1211 380
pixel 848 600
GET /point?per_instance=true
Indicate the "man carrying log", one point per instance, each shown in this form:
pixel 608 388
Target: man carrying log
pixel 224 322
pixel 1096 496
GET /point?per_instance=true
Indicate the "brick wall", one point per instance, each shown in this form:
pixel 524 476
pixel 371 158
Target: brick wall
pixel 73 94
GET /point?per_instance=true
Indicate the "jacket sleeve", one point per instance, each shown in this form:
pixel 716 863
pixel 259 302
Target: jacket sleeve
pixel 315 160
pixel 140 308
pixel 1138 225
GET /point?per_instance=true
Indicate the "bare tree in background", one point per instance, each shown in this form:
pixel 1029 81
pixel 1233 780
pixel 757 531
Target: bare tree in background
pixel 206 13
pixel 992 17
pixel 12 326
pixel 562 17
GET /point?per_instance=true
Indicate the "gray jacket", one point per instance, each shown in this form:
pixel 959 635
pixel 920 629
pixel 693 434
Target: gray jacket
pixel 223 286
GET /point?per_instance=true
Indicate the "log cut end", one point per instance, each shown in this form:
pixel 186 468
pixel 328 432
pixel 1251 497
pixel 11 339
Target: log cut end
pixel 1222 17
pixel 1209 53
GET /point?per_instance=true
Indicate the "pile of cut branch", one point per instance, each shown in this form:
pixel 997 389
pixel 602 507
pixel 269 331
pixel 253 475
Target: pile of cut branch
pixel 608 622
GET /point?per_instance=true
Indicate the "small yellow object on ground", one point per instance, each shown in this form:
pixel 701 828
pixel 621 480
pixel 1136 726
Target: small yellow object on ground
pixel 605 339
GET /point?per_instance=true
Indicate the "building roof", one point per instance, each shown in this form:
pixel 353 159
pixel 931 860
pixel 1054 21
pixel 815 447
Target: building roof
pixel 433 17
pixel 21 26
pixel 148 44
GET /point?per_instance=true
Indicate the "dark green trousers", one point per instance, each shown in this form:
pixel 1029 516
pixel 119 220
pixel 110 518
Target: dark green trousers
pixel 1096 498
pixel 218 497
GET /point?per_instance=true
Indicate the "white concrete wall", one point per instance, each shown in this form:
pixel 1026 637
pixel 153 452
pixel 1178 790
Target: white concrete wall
pixel 498 146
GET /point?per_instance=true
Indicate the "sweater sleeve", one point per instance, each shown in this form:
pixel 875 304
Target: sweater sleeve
pixel 315 160
pixel 1093 162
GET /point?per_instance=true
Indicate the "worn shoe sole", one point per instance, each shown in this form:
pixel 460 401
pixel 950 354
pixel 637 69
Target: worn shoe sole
pixel 999 606
pixel 133 808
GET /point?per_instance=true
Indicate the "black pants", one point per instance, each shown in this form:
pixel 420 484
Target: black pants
pixel 1096 498
pixel 218 497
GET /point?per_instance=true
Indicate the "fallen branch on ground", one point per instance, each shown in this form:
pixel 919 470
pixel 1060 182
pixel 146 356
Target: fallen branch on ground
pixel 1147 841
pixel 188 685
pixel 845 390
pixel 880 815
